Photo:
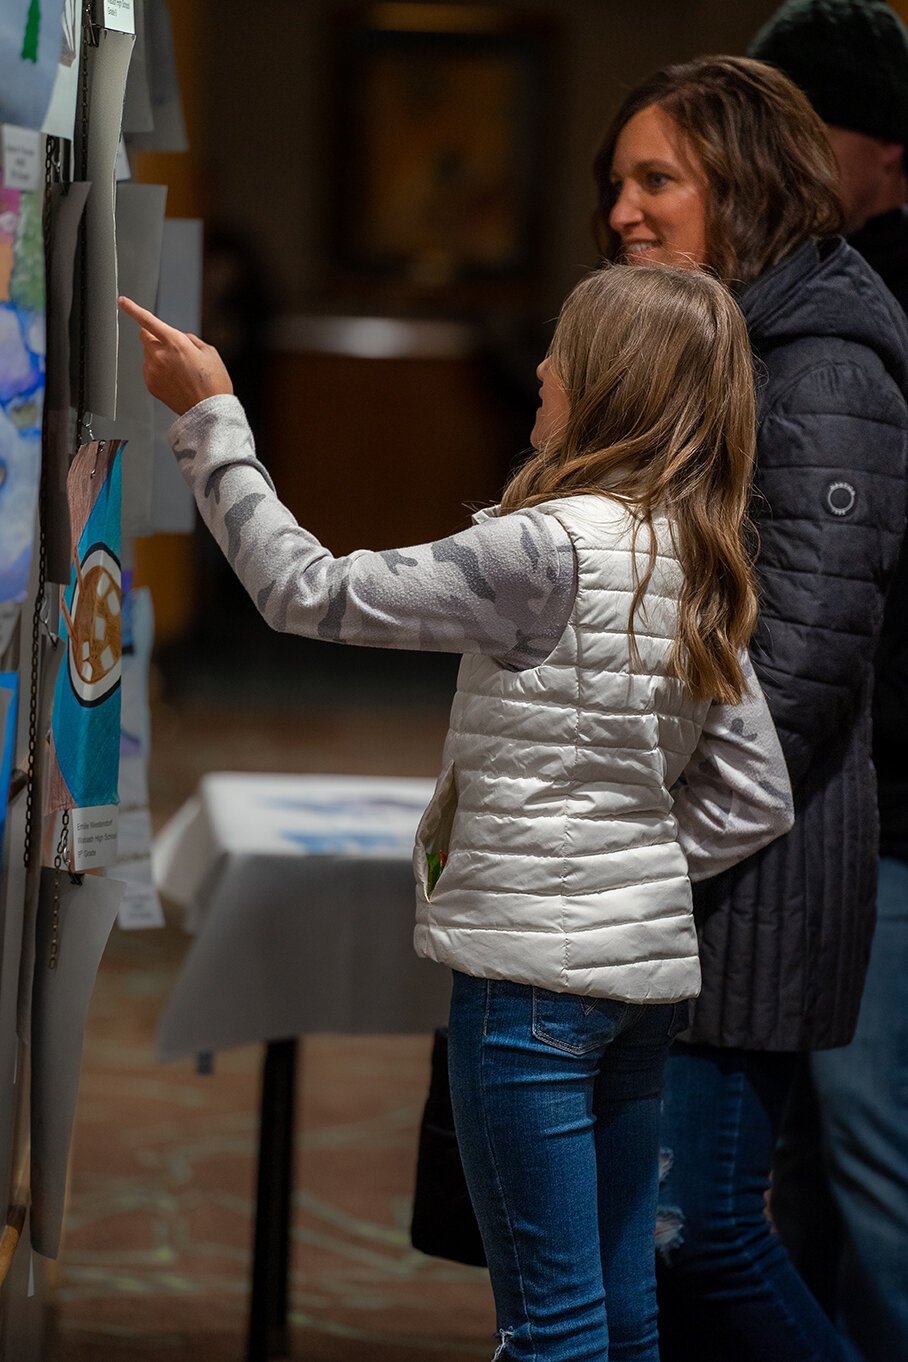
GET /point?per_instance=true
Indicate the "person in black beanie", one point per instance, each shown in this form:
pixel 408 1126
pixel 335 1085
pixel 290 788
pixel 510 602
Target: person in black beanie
pixel 850 57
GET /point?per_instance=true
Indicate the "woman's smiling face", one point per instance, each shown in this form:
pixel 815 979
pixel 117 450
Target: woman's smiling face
pixel 660 187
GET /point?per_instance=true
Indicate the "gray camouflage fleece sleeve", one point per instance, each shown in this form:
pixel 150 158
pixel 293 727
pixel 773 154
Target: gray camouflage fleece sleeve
pixel 734 795
pixel 504 587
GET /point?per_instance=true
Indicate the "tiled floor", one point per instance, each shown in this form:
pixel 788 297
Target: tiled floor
pixel 155 1262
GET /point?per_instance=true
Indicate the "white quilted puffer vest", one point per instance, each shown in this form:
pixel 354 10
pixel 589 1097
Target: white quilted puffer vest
pixel 563 867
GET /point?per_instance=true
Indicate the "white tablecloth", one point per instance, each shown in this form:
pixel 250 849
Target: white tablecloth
pixel 299 892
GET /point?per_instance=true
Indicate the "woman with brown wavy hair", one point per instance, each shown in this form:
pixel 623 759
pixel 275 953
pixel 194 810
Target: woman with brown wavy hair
pixel 721 164
pixel 603 611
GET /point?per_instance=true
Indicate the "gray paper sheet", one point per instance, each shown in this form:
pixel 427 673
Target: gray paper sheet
pixel 67 203
pixel 66 207
pixel 108 66
pixel 137 113
pixel 30 39
pixel 61 999
pixel 169 131
pixel 140 228
pixel 9 620
pixel 180 304
pixel 11 915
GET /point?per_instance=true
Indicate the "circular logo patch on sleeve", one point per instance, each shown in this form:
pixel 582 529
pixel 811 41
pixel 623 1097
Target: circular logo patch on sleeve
pixel 841 498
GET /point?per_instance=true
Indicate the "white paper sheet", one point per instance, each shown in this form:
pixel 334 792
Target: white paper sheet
pixel 60 119
pixel 141 906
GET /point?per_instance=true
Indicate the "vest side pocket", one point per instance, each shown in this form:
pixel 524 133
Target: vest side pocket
pixel 433 836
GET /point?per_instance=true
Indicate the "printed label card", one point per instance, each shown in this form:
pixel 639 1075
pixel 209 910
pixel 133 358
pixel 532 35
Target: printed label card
pixel 120 15
pixel 21 151
pixel 93 835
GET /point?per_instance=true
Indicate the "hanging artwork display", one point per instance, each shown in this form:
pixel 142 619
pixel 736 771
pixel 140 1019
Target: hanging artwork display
pixel 22 346
pixel 31 40
pixel 85 722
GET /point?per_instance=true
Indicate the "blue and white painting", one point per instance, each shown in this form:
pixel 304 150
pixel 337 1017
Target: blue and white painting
pixel 22 347
pixel 32 44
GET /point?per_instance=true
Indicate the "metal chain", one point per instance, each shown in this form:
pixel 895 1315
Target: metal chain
pixel 89 39
pixel 51 177
pixel 59 866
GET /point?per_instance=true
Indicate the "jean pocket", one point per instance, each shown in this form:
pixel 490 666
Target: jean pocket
pixel 575 1023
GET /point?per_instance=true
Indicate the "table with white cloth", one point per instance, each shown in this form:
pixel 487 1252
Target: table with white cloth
pixel 298 891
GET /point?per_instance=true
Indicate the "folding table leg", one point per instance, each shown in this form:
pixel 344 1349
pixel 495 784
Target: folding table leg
pixel 268 1336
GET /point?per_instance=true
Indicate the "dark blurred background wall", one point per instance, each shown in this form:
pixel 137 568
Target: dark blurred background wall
pixel 378 438
pixel 266 90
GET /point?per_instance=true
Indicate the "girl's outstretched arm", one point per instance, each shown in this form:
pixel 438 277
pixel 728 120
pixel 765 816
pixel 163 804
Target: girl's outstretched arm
pixel 505 588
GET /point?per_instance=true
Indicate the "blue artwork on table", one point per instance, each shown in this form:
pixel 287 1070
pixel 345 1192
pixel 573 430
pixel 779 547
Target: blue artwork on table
pixel 356 806
pixel 343 842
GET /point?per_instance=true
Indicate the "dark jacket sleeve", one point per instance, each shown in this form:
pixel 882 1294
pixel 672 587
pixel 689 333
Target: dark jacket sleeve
pixel 830 511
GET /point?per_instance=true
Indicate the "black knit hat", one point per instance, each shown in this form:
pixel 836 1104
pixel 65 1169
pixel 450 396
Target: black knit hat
pixel 850 57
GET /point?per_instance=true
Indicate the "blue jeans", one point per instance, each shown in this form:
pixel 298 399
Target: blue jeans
pixel 852 1143
pixel 727 1287
pixel 556 1104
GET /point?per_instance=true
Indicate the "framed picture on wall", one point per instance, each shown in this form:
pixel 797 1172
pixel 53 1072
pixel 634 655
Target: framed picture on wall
pixel 438 153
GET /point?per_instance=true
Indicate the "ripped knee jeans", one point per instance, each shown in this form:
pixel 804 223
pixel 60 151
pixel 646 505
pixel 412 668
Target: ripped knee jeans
pixel 556 1101
pixel 727 1286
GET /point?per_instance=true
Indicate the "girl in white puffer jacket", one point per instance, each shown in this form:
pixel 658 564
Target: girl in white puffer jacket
pixel 608 741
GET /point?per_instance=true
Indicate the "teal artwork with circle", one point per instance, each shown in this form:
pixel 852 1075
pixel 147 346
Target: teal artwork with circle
pixel 85 720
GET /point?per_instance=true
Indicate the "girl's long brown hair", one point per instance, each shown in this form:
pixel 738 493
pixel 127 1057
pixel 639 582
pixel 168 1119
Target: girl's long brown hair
pixel 657 368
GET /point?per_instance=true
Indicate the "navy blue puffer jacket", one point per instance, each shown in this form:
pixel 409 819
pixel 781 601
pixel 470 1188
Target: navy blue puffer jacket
pixel 784 937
